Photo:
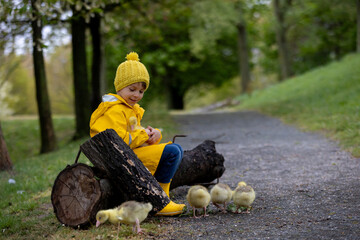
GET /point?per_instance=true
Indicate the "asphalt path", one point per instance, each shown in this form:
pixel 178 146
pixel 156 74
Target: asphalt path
pixel 306 186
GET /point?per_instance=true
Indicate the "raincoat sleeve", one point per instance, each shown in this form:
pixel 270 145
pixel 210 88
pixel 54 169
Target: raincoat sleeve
pixel 114 118
pixel 138 137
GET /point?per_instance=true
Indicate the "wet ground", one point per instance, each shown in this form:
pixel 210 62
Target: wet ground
pixel 306 186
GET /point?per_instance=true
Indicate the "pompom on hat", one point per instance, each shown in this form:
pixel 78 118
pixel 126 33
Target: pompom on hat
pixel 131 71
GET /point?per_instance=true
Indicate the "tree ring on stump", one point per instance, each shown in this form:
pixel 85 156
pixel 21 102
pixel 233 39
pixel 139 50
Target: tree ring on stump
pixel 75 194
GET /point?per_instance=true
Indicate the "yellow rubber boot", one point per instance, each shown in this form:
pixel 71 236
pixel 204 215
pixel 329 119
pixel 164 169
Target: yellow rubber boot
pixel 172 208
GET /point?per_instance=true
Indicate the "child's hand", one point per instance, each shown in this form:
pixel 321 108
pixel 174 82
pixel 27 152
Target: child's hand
pixel 154 135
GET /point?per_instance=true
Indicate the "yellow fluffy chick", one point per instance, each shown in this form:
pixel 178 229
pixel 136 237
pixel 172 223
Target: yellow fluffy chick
pixel 198 197
pixel 133 124
pixel 110 214
pixel 221 194
pixel 130 212
pixel 243 196
pixel 133 213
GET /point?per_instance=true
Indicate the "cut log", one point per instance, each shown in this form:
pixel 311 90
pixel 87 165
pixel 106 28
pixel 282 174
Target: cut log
pixel 113 157
pixel 200 165
pixel 77 196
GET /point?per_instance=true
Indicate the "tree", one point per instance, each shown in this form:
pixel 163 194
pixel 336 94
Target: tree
pixel 5 161
pixel 48 139
pixel 244 62
pixel 19 16
pixel 320 32
pixel 87 95
pixel 195 46
pixel 80 73
pixel 280 8
pixel 97 60
pixel 358 25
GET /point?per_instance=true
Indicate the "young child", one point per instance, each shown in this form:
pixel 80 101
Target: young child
pixel 122 113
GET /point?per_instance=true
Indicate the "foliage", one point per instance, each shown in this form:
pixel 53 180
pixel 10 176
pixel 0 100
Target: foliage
pixel 325 99
pixel 160 34
pixel 210 21
pixel 318 32
pixel 5 85
pixel 203 94
pixel 16 73
pixel 332 33
pixel 17 76
pixel 183 43
pixel 60 80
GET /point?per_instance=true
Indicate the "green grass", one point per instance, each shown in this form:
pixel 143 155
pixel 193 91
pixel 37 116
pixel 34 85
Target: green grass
pixel 326 99
pixel 25 207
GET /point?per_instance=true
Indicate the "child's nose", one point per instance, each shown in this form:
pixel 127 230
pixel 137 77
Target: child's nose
pixel 137 94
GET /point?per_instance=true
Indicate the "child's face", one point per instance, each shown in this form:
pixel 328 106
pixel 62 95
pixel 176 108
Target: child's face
pixel 133 93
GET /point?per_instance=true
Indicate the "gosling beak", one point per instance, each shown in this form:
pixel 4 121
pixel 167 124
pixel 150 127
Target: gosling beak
pixel 98 223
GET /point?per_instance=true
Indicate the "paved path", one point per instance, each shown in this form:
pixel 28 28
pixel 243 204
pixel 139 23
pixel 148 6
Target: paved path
pixel 307 187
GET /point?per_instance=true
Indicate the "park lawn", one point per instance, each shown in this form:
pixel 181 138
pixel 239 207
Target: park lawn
pixel 26 211
pixel 326 99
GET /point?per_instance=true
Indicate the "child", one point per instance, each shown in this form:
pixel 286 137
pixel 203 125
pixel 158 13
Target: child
pixel 121 112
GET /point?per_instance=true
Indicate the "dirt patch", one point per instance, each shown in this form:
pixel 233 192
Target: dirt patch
pixel 307 187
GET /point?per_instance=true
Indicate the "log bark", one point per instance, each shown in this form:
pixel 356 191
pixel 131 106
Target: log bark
pixel 200 165
pixel 113 157
pixel 77 196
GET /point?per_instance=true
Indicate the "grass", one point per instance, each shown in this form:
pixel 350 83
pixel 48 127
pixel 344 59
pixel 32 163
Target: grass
pixel 26 211
pixel 326 99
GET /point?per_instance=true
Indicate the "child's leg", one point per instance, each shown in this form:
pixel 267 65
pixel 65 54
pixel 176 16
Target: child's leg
pixel 169 163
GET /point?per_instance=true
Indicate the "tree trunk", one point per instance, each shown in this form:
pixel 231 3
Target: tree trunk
pixel 358 25
pixel 243 57
pixel 5 161
pixel 96 67
pixel 175 98
pixel 81 83
pixel 48 139
pixel 284 56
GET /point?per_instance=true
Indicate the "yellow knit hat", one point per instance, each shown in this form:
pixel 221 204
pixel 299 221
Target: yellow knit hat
pixel 131 71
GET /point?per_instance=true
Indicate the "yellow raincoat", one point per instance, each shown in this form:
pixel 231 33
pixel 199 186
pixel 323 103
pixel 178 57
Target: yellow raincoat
pixel 114 112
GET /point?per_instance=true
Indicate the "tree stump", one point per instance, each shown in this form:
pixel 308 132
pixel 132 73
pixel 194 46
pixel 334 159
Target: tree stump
pixel 77 196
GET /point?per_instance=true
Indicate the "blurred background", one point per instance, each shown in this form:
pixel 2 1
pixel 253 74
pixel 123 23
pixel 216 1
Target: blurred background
pixel 60 57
